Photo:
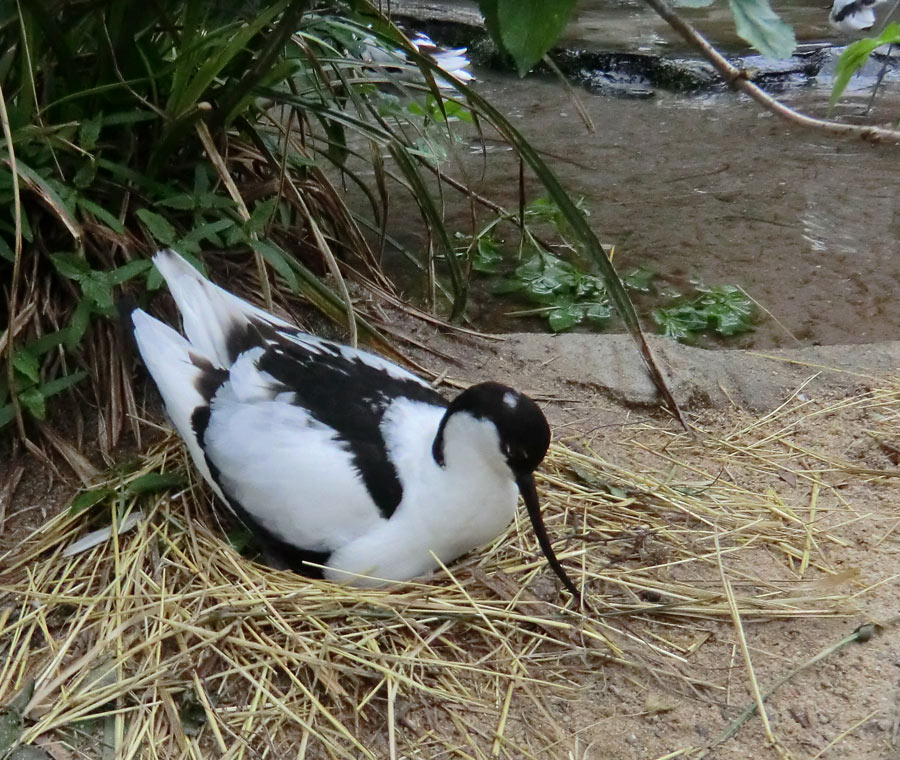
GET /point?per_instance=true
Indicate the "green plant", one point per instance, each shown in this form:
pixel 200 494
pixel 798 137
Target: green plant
pixel 126 131
pixel 857 55
pixel 187 124
pixel 567 296
pixel 723 310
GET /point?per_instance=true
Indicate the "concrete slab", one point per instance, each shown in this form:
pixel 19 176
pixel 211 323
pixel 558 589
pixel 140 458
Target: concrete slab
pixel 755 380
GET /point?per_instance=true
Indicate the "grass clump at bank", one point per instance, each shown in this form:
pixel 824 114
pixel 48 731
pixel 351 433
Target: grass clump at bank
pixel 188 125
pixel 191 125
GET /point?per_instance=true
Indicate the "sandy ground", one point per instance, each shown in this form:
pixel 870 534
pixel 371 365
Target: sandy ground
pixel 845 433
pixel 848 705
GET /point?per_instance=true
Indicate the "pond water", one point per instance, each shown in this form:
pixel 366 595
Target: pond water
pixel 712 188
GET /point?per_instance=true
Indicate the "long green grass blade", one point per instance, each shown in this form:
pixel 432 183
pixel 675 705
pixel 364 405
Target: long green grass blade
pixel 598 260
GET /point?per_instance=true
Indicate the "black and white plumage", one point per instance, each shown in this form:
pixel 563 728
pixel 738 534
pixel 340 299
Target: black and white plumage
pixel 333 455
pixel 454 61
pixel 854 15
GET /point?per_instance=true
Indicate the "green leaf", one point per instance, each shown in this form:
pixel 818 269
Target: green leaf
pixel 70 265
pixel 680 323
pixel 45 343
pixel 158 225
pixel 101 213
pixel 488 255
pixel 47 189
pixel 96 286
pixel 7 415
pixel 89 132
pixel 53 387
pixel 564 318
pixel 589 287
pixel 337 142
pixel 640 279
pixel 154 279
pixel 278 259
pixel 207 231
pixel 543 209
pixel 128 271
pixel 182 201
pixel 27 232
pixel 85 175
pixel 509 285
pixel 261 214
pixel 87 499
pixel 596 313
pixel 856 56
pixel 526 29
pixel 33 400
pixel 152 482
pixel 557 280
pixel 759 25
pixel 79 324
pixel 26 363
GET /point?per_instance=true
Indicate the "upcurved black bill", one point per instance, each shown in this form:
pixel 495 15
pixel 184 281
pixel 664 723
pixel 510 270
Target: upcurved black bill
pixel 530 497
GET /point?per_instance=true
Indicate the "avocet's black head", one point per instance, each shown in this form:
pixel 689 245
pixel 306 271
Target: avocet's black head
pixel 524 437
pixel 521 426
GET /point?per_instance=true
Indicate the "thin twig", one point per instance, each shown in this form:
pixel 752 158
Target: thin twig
pixel 739 80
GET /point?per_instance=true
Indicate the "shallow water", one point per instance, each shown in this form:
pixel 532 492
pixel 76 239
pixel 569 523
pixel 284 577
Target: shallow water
pixel 629 23
pixel 714 189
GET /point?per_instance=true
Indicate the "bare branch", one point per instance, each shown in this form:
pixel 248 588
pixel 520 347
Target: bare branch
pixel 738 80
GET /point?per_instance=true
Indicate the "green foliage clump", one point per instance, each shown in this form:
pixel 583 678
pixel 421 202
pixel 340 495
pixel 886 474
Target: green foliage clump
pixel 196 126
pixel 723 310
pixel 567 296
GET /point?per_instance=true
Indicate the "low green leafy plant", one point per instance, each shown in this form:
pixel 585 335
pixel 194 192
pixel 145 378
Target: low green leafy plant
pixel 566 296
pixel 723 310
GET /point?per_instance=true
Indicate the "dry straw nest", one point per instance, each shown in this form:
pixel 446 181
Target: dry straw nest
pixel 163 641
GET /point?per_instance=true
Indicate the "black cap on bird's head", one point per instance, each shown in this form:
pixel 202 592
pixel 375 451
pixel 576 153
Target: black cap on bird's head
pixel 524 439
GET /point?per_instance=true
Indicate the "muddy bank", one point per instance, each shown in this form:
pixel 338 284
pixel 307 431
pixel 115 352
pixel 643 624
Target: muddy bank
pixel 703 189
pixel 710 190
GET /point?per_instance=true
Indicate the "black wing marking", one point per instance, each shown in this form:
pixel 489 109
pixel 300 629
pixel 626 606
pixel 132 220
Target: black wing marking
pixel 349 396
pixel 853 8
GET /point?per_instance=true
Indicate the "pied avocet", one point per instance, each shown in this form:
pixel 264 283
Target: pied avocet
pixel 336 456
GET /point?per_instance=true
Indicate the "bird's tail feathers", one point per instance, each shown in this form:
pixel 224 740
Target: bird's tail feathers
pixel 210 314
pixel 182 375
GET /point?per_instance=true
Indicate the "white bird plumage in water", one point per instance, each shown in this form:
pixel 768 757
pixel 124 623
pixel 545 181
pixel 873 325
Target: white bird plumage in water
pixel 854 15
pixel 333 455
pixel 454 61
